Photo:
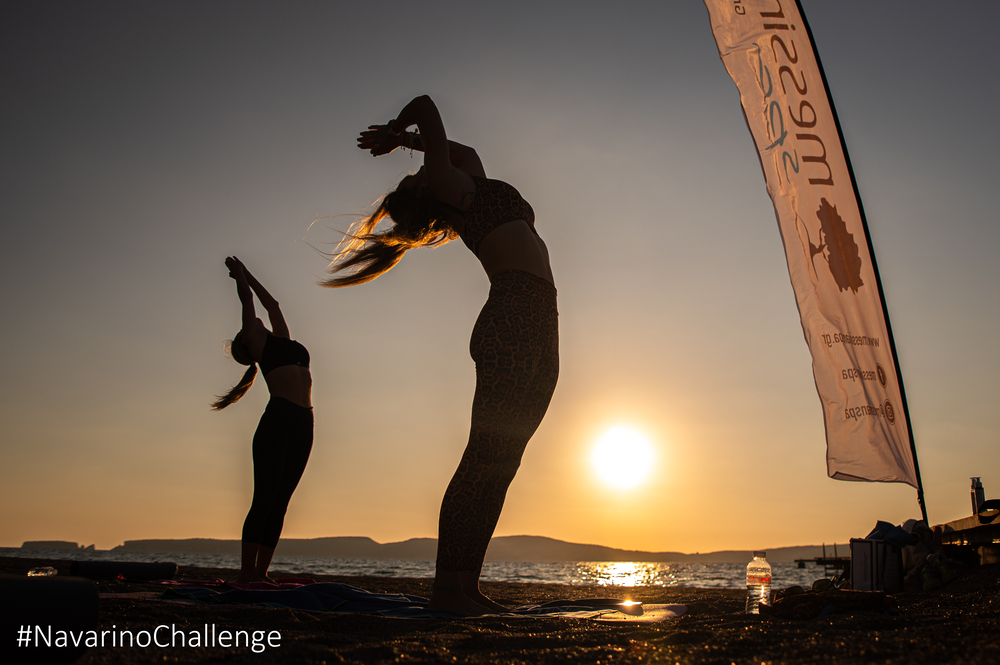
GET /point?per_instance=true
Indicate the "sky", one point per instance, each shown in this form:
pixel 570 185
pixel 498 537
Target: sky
pixel 145 142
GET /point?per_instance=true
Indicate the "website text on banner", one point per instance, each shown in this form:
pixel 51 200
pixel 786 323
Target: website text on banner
pixel 766 48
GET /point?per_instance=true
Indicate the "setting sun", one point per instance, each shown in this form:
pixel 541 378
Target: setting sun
pixel 622 457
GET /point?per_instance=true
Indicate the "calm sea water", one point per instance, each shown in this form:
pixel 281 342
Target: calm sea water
pixel 603 573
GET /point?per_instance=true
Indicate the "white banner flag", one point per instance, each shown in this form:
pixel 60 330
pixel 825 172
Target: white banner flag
pixel 768 51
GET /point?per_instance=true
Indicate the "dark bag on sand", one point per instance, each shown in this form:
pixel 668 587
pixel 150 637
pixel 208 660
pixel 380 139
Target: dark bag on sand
pixel 130 570
pixel 808 605
pixel 37 608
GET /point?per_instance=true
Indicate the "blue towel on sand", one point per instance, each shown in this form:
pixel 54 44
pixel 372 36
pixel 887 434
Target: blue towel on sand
pixel 330 597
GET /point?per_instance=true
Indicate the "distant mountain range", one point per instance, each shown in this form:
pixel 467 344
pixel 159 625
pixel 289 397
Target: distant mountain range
pixel 502 548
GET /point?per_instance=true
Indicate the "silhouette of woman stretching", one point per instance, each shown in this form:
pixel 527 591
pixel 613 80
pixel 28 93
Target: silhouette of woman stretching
pixel 515 342
pixel 283 440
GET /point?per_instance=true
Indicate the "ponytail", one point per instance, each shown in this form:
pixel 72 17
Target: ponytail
pixel 238 391
pixel 239 353
pixel 417 222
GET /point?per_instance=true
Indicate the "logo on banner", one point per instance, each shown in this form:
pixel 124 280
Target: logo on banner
pixel 837 247
pixel 881 374
pixel 890 413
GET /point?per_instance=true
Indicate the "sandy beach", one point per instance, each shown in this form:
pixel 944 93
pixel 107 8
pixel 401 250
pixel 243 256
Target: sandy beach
pixel 957 623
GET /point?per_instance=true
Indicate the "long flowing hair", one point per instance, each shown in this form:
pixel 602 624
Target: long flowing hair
pixel 240 353
pixel 365 254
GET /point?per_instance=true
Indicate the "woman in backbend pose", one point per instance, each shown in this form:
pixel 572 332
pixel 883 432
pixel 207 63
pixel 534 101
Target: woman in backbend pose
pixel 284 436
pixel 515 342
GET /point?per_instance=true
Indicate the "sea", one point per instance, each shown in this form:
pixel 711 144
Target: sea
pixel 601 573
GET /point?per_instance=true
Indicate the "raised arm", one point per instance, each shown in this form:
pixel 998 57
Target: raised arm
pixel 278 326
pixel 432 140
pixel 447 163
pixel 461 156
pixel 238 273
pixel 379 141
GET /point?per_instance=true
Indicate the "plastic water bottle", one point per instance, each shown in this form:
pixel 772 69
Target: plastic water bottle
pixel 758 582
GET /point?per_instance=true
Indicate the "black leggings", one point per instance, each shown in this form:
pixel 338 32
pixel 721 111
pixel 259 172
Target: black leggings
pixel 281 449
pixel 515 344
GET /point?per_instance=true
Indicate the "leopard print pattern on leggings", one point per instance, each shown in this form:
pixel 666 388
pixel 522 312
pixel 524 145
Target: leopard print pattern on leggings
pixel 515 344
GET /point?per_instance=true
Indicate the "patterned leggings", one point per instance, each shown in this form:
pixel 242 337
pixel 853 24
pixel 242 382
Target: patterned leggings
pixel 281 447
pixel 515 344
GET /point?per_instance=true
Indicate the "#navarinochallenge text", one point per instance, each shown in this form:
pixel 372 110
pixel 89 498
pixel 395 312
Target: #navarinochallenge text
pixel 162 636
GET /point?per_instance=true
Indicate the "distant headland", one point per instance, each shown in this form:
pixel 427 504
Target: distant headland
pixel 54 545
pixel 502 548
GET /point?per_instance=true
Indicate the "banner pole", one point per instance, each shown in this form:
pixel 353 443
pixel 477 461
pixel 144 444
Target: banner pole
pixel 871 253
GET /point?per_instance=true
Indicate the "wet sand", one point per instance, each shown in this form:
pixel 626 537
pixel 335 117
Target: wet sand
pixel 958 623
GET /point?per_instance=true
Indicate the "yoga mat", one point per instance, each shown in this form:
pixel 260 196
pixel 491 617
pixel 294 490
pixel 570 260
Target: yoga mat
pixel 130 570
pixel 332 597
pixel 650 614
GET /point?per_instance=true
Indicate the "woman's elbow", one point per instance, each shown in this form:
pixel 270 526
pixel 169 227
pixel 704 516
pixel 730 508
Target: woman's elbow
pixel 422 102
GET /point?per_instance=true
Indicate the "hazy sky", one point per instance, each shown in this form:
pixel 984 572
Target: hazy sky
pixel 145 142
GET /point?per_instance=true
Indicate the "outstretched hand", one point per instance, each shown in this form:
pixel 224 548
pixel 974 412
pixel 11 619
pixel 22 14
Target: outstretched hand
pixel 378 140
pixel 236 267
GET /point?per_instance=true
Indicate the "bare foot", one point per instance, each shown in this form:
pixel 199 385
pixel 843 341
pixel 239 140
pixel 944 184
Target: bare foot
pixel 493 606
pixel 454 600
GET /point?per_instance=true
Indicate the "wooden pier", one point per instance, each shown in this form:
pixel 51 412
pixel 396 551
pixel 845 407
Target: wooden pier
pixel 978 536
pixel 832 565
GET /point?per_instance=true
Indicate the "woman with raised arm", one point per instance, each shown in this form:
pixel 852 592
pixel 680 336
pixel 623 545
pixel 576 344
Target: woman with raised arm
pixel 284 437
pixel 515 342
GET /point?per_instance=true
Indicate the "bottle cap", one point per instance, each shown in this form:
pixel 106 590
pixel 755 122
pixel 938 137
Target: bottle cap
pixel 759 555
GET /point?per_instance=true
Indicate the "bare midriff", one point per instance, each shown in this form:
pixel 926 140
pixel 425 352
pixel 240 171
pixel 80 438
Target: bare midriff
pixel 515 246
pixel 291 382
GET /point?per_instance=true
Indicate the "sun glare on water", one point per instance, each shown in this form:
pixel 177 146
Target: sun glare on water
pixel 622 457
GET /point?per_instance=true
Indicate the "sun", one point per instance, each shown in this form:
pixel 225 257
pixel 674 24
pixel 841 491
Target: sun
pixel 622 457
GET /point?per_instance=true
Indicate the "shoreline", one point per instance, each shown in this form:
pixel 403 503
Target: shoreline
pixel 956 623
pixel 729 575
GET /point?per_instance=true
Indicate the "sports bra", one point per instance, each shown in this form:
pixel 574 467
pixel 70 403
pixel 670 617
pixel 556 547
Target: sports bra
pixel 281 351
pixel 494 204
